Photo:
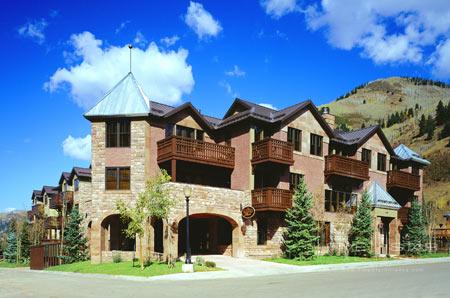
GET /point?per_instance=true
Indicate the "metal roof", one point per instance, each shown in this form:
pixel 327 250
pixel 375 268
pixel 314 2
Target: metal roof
pixel 405 153
pixel 381 198
pixel 125 99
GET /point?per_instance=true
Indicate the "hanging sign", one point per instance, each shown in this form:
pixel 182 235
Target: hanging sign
pixel 248 212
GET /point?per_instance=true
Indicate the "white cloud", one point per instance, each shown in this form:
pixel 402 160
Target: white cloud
pixel 279 8
pixel 228 88
pixel 140 39
pixel 384 31
pixel 201 21
pixel 235 72
pixel 122 26
pixel 268 105
pixel 169 41
pixel 34 30
pixel 164 75
pixel 441 60
pixel 77 148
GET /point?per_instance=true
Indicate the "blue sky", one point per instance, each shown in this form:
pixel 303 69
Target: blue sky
pixel 59 58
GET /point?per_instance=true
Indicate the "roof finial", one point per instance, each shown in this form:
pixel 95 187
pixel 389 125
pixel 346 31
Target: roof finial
pixel 130 47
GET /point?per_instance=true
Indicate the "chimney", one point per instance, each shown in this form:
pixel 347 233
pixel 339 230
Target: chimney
pixel 329 118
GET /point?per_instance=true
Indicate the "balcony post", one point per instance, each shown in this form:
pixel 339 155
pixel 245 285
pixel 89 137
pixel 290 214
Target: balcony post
pixel 173 168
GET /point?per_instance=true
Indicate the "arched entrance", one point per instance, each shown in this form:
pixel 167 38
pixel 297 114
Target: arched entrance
pixel 112 235
pixel 209 234
pixel 158 235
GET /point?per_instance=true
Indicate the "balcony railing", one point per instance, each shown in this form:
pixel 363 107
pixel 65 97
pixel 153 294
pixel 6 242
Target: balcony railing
pixel 53 222
pixel 191 150
pixel 57 201
pixel 271 199
pixel 402 179
pixel 346 167
pixel 38 210
pixel 272 150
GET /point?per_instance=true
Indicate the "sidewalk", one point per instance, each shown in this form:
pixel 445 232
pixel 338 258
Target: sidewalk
pixel 242 267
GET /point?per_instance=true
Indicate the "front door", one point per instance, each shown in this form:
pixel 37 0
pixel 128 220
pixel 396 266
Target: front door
pixel 384 237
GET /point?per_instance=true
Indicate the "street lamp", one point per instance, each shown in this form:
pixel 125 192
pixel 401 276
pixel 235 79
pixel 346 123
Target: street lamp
pixel 187 194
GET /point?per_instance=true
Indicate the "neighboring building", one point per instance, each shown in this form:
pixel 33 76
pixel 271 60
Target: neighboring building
pixel 254 156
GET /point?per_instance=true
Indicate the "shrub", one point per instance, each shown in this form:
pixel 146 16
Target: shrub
pixel 117 258
pixel 148 262
pixel 210 264
pixel 200 261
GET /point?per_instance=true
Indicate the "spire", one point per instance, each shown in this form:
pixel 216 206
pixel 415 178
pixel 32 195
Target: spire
pixel 130 47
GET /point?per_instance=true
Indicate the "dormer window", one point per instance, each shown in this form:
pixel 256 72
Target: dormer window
pixel 189 133
pixel 118 133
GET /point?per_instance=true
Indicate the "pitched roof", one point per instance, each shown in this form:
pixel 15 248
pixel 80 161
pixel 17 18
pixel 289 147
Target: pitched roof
pixel 49 190
pixel 126 98
pixel 36 193
pixel 381 198
pixel 81 173
pixel 65 176
pixel 404 153
pixel 359 136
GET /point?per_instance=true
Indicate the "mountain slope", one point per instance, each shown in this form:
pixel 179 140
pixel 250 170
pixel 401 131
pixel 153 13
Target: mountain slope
pixel 374 102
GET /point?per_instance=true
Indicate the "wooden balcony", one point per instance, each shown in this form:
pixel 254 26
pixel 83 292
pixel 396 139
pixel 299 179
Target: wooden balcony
pixel 271 199
pixel 404 180
pixel 272 150
pixel 346 167
pixel 38 210
pixel 57 201
pixel 179 148
pixel 53 222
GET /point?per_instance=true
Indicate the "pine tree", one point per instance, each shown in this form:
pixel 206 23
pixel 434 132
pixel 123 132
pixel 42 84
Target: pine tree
pixel 75 248
pixel 414 238
pixel 430 126
pixel 360 237
pixel 422 125
pixel 25 242
pixel 440 113
pixel 10 252
pixel 300 237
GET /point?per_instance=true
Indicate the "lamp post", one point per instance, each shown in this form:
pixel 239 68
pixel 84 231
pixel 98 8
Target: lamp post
pixel 187 194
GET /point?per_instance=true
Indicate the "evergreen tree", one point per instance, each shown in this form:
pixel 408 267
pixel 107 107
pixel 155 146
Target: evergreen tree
pixel 414 238
pixel 25 242
pixel 360 237
pixel 440 113
pixel 422 125
pixel 75 248
pixel 10 252
pixel 430 127
pixel 445 132
pixel 300 237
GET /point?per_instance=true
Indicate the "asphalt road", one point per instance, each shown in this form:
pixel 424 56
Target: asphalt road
pixel 426 280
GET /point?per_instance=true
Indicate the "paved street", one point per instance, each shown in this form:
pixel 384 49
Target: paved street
pixel 425 280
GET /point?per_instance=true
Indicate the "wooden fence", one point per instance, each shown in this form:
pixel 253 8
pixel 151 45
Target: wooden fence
pixel 45 255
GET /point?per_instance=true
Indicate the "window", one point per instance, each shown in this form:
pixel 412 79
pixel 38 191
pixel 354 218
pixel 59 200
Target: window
pixel 381 162
pixel 262 231
pixel 294 180
pixel 199 135
pixel 117 178
pixel 340 201
pixel 76 184
pixel 295 138
pixel 324 233
pixel 366 155
pixel 185 132
pixel 415 170
pixel 316 145
pixel 118 133
pixel 259 134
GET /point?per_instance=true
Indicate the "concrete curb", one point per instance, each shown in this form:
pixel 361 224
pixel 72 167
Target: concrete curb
pixel 290 269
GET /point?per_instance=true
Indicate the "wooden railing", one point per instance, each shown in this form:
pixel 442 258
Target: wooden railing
pixel 38 210
pixel 402 179
pixel 191 150
pixel 57 201
pixel 53 222
pixel 271 199
pixel 347 167
pixel 272 150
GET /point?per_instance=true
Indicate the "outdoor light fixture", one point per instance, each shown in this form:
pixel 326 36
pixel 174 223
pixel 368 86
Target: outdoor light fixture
pixel 188 264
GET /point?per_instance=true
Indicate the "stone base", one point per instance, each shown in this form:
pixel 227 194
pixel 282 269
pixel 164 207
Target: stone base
pixel 187 268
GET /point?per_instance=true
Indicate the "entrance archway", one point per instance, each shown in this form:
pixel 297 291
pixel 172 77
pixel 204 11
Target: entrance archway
pixel 158 235
pixel 112 235
pixel 209 234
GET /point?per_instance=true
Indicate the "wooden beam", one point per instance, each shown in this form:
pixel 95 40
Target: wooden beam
pixel 173 169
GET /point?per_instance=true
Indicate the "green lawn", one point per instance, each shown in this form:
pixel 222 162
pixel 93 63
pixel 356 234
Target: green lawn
pixel 125 268
pixel 435 255
pixel 4 264
pixel 323 260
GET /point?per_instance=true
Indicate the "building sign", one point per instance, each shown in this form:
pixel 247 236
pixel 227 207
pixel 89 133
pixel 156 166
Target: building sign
pixel 248 212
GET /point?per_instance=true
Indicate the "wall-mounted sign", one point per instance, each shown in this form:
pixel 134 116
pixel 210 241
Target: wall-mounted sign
pixel 248 212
